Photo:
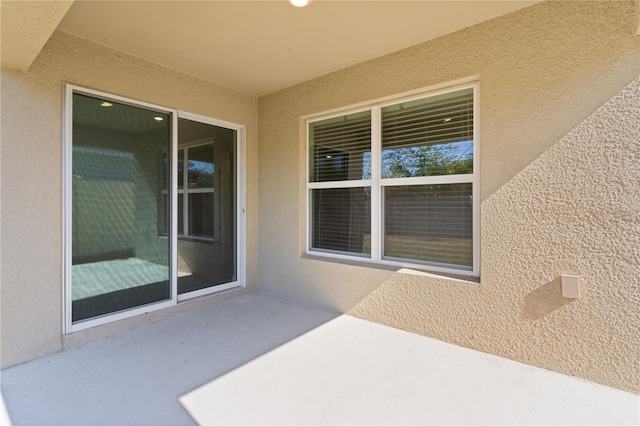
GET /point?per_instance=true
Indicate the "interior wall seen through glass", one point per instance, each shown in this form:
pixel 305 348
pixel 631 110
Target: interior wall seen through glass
pixel 207 238
pixel 119 260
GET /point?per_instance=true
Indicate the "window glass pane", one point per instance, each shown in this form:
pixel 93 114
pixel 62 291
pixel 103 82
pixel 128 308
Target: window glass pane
pixel 180 168
pixel 119 259
pixel 165 169
pixel 207 249
pixel 201 214
pixel 163 215
pixel 163 207
pixel 430 223
pixel 180 214
pixel 428 137
pixel 341 219
pixel 338 147
pixel 201 166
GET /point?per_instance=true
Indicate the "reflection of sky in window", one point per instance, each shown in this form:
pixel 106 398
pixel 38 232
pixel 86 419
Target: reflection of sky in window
pixel 452 152
pixel 203 167
pixel 366 165
pixel 409 156
pixel 461 150
pixel 200 174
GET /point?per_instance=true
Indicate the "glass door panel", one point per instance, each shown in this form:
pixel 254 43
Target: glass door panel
pixel 120 245
pixel 207 237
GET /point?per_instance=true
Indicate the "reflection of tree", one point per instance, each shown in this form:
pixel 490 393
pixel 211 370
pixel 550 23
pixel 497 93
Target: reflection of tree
pixel 426 160
pixel 200 174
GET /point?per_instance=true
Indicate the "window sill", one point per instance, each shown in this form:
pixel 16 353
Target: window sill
pixel 395 268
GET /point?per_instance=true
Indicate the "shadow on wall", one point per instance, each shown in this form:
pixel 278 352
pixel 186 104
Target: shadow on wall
pixel 422 302
pixel 544 300
pixel 570 209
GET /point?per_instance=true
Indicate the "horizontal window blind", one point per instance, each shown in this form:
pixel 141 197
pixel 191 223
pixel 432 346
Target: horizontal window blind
pixel 340 147
pixel 438 119
pixel 341 219
pixel 431 223
pixel 428 137
pixel 404 216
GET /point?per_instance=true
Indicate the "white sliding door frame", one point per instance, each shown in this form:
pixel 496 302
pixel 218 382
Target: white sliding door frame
pixel 240 204
pixel 68 325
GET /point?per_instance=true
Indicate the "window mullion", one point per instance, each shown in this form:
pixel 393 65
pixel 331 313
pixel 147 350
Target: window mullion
pixel 376 196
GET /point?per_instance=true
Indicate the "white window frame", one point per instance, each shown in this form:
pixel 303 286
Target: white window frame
pixel 67 324
pixel 240 204
pixel 186 190
pixel 377 183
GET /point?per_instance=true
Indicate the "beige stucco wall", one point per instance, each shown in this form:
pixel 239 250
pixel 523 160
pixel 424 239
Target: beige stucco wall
pixel 559 192
pixel 31 267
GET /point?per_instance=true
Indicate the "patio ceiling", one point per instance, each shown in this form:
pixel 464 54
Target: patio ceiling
pixel 255 47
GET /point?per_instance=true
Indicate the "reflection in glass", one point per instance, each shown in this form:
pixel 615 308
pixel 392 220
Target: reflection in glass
pixel 338 147
pixel 181 169
pixel 201 166
pixel 201 214
pixel 430 223
pixel 428 137
pixel 207 239
pixel 119 259
pixel 341 220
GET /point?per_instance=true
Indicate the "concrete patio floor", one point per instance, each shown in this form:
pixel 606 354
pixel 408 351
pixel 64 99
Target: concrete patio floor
pixel 261 360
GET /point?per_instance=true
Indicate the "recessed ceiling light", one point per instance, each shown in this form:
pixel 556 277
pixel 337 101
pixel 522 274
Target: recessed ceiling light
pixel 329 156
pixel 106 104
pixel 300 3
pixel 158 118
pixel 446 120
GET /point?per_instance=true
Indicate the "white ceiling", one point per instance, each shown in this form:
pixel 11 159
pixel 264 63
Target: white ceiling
pixel 258 47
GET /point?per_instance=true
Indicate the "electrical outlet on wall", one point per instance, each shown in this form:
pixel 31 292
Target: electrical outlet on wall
pixel 570 285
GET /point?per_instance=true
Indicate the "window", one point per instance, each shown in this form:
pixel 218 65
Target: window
pixel 196 209
pixel 397 183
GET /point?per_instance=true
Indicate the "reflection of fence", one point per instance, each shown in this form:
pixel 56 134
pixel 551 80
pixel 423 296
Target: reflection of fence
pixel 341 216
pixel 437 217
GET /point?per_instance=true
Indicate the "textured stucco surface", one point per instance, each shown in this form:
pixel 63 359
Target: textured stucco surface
pixel 32 179
pixel 575 208
pixel 25 27
pixel 559 151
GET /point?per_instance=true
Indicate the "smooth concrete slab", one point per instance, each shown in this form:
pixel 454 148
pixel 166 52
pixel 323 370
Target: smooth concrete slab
pixel 136 378
pixel 350 371
pixel 261 360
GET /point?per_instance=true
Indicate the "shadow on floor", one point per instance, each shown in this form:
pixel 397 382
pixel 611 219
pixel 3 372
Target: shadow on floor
pixel 137 377
pixel 261 360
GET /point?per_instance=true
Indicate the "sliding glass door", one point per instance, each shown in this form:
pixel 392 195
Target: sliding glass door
pixel 119 260
pixel 152 212
pixel 207 238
